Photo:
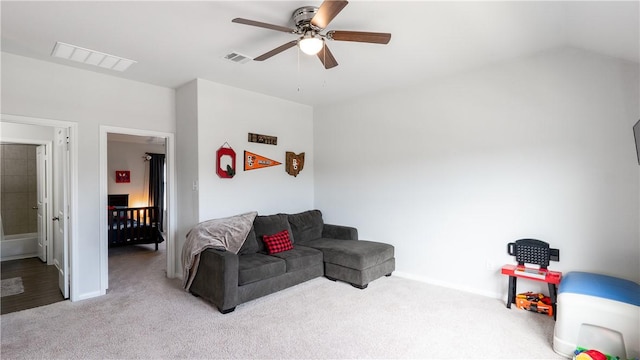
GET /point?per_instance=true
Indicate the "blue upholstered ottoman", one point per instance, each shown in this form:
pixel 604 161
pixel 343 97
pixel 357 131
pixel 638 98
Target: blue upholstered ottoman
pixel 598 312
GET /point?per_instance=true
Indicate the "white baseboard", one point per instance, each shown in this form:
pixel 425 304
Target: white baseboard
pixel 90 295
pixel 447 285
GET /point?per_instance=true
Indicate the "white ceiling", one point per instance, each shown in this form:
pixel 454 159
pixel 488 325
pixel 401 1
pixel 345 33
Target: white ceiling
pixel 176 42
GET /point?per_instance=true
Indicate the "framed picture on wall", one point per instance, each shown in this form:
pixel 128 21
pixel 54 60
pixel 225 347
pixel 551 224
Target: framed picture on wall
pixel 123 176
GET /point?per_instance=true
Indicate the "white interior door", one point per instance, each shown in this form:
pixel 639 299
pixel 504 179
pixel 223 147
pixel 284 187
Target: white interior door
pixel 41 201
pixel 61 211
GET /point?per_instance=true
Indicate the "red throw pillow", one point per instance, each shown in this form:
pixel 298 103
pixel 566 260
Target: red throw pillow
pixel 278 242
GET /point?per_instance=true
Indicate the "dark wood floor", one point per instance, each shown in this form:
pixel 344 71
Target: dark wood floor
pixel 40 283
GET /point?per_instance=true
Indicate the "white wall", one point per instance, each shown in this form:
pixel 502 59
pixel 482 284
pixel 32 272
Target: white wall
pixel 129 156
pixel 228 114
pixel 25 131
pixel 45 90
pixel 452 170
pixel 448 172
pixel 187 167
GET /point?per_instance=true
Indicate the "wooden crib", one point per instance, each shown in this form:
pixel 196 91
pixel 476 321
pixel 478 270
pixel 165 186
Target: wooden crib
pixel 132 225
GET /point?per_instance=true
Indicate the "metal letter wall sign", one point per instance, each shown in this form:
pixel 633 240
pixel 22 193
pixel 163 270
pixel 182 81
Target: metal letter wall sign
pixel 263 139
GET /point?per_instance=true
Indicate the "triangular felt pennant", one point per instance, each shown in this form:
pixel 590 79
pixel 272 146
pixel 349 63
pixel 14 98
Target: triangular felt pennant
pixel 254 161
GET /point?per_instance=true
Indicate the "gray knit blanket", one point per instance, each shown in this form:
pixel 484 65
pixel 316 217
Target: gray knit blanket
pixel 225 234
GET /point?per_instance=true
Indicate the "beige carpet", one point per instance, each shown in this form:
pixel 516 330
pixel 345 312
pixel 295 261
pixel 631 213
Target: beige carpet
pixel 145 315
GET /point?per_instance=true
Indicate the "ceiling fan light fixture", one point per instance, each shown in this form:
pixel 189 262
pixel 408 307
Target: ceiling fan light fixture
pixel 310 44
pixel 310 23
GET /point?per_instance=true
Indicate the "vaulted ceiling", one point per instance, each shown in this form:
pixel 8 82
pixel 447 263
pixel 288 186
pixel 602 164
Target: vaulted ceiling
pixel 175 42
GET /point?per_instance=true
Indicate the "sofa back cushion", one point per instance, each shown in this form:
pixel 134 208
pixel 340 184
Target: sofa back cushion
pixel 306 226
pixel 250 245
pixel 269 225
pixel 277 243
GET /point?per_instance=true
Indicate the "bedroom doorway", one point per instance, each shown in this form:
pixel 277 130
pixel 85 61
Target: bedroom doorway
pixel 137 167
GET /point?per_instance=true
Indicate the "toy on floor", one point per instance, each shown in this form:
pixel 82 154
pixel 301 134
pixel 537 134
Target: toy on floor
pixel 597 311
pixel 535 302
pixel 582 354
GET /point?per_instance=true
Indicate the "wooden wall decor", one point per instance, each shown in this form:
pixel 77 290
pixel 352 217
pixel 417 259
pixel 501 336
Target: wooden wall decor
pixel 254 161
pixel 263 139
pixel 229 170
pixel 123 176
pixel 294 163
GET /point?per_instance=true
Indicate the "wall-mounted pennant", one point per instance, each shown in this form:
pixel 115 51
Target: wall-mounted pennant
pixel 225 161
pixel 254 161
pixel 263 139
pixel 294 163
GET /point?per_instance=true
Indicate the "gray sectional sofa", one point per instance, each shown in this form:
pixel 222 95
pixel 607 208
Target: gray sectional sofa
pixel 227 279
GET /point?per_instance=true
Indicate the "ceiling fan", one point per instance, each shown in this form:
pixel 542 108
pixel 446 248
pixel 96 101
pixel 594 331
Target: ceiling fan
pixel 310 22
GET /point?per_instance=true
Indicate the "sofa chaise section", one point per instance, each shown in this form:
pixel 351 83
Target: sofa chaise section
pixel 356 262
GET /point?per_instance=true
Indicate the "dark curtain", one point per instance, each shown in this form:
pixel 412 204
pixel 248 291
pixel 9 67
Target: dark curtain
pixel 156 186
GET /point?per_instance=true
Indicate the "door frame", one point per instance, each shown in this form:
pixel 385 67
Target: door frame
pixel 70 255
pixel 170 186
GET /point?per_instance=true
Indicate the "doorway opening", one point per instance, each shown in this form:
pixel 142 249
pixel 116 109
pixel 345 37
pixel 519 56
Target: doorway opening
pixel 39 181
pixel 136 186
pixel 27 269
pixel 24 199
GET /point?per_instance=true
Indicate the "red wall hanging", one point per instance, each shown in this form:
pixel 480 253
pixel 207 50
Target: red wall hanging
pixel 123 176
pixel 230 169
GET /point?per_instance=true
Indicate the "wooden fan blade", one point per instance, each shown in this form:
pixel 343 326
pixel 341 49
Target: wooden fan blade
pixel 327 11
pixel 276 51
pixel 326 57
pixel 262 25
pixel 359 36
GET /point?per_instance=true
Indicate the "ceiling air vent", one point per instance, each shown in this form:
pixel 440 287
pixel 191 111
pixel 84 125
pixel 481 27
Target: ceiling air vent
pixel 91 57
pixel 237 58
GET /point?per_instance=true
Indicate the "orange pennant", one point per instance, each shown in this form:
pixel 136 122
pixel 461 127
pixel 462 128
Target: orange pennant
pixel 254 161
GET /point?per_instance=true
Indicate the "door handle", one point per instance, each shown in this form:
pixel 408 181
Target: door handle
pixel 55 218
pixel 35 208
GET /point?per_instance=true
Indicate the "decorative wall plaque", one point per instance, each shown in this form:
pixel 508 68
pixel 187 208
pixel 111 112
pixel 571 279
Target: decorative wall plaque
pixel 263 139
pixel 230 169
pixel 123 176
pixel 294 163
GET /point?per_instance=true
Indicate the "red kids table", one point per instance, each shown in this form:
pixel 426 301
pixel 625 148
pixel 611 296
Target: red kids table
pixel 552 278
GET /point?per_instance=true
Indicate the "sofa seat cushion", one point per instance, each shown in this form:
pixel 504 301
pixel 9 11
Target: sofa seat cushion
pixel 256 267
pixel 300 257
pixel 354 254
